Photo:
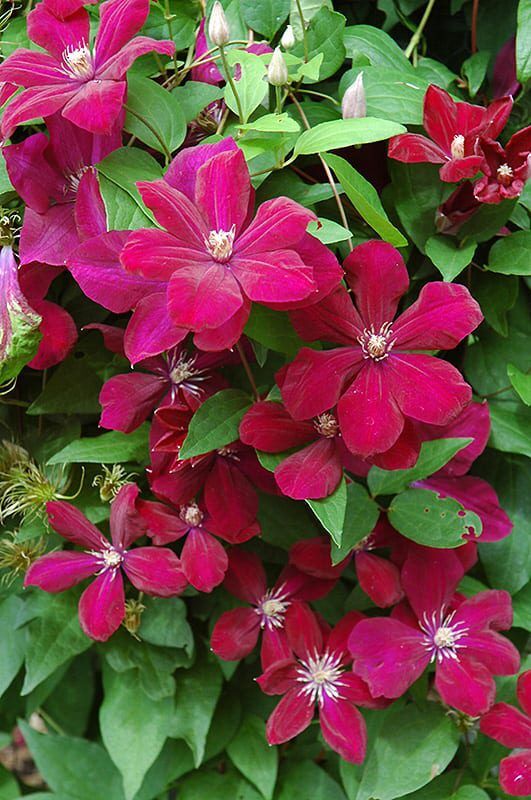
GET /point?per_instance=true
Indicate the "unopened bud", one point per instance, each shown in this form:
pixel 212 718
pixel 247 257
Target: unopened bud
pixel 133 616
pixel 354 104
pixel 277 71
pixel 218 26
pixel 288 38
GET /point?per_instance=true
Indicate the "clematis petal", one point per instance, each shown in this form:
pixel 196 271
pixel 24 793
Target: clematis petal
pixel 304 633
pixel 70 523
pixel 155 570
pixel 334 319
pixel 245 578
pixel 56 572
pixel 515 774
pixel 126 523
pixel 203 296
pixel 465 684
pixel 204 560
pixel 230 498
pixel 223 191
pixel 174 212
pixel 413 148
pixel 327 272
pixel 493 650
pixel 459 169
pixel 49 238
pixel 275 647
pixel 523 691
pixel 34 178
pixel 115 68
pixel 377 275
pixel 507 725
pixel 344 729
pixel 490 609
pixel 59 334
pixel 102 606
pixel 379 579
pixel 182 172
pixel 120 20
pixel 235 634
pixel 279 223
pixel 279 677
pixel 473 422
pixel 312 556
pixel 64 8
pixel 430 577
pixel 37 101
pixel 56 35
pixel 337 640
pixel 96 105
pixel 311 473
pixel 29 68
pixel 291 716
pixel 163 524
pixel 226 335
pixel 150 330
pixel 128 400
pixel 156 254
pixel 273 276
pixel 356 690
pixel 440 117
pixel 90 214
pixel 268 427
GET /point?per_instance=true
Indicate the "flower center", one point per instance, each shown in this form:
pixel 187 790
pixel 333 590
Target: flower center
pixel 191 514
pixel 109 557
pixel 505 174
pixel 78 62
pixel 272 607
pixel 182 370
pixel 321 676
pixel 377 344
pixel 228 452
pixel 441 636
pixel 326 425
pixel 220 243
pixel 73 179
pixel 457 148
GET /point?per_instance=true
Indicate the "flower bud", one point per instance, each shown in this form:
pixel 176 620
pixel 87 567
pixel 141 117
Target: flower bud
pixel 218 26
pixel 277 71
pixel 354 104
pixel 18 321
pixel 288 38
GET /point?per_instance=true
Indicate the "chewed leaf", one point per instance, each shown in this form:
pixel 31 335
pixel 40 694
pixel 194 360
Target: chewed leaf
pixel 428 519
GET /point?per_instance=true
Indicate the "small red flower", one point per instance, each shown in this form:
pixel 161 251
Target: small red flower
pixel 506 170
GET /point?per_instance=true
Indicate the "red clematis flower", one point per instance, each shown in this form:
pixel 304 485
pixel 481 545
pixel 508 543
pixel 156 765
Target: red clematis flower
pixel 454 129
pixel 236 632
pixel 316 675
pixel 86 84
pixel 512 728
pixel 506 170
pixel 460 636
pixel 375 380
pixel 153 570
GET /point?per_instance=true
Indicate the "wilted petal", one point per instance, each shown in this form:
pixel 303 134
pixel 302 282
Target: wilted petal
pixel 155 570
pixel 102 606
pixel 204 560
pixel 235 634
pixel 56 572
pixel 344 729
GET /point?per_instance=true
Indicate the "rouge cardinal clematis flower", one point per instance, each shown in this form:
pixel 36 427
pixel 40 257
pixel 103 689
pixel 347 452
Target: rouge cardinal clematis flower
pixel 375 380
pixel 85 83
pixel 459 636
pixel 316 675
pixel 237 631
pixel 213 259
pixel 512 728
pixel 55 178
pixel 454 129
pixel 506 170
pixel 153 570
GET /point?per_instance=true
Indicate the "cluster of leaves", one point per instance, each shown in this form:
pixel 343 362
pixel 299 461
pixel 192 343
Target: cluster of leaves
pixel 152 713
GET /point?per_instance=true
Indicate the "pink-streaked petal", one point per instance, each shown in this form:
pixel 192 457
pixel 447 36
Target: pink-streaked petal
pixel 175 212
pixel 90 215
pixel 413 148
pixel 377 275
pixel 59 334
pixel 29 68
pixel 267 426
pixel 507 725
pixel 230 498
pixel 426 388
pixel 440 117
pixel 203 296
pixel 465 684
pixel 204 560
pixel 235 634
pixel 64 8
pixel 523 691
pixel 337 641
pixel 150 330
pixel 314 381
pixel 182 172
pixel 279 677
pixel 120 20
pixel 430 577
pixel 279 223
pixel 353 688
pixel 70 523
pixel 156 254
pixel 489 609
pixel 96 106
pixel 344 729
pixel 7 90
pixel 515 774
pixel 303 630
pixel 292 716
pixel 163 524
pixel 441 318
pixel 128 400
pixel 369 416
pixel 313 472
pixel 56 572
pixel 115 68
pixel 38 101
pixel 102 606
pixel 156 571
pixel 275 647
pixel 126 523
pixel 50 237
pixel 334 319
pixel 379 579
pixel 225 336
pixel 223 191
pixel 493 650
pixel 56 35
pixel 273 276
pixel 245 578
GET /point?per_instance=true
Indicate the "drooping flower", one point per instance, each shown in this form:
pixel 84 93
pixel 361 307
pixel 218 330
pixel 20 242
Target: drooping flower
pixel 317 675
pixel 512 728
pixel 55 178
pixel 375 380
pixel 154 570
pixel 19 322
pixel 236 632
pixel 460 636
pixel 85 83
pixel 454 129
pixel 505 170
pixel 457 209
pixel 504 80
pixel 211 259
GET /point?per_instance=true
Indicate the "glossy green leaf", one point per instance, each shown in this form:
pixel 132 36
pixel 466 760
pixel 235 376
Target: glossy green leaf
pixel 255 759
pixel 474 69
pixel 361 516
pixel 165 126
pixel 108 448
pixel 215 423
pixel 521 382
pixel 14 645
pixel 345 132
pixel 273 329
pixel 523 41
pixel 251 84
pixel 448 256
pixel 266 17
pixel 118 174
pixel 511 255
pixel 324 36
pixel 331 511
pixel 197 694
pixel 426 518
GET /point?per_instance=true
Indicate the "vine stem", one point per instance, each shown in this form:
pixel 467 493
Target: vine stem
pixel 303 26
pixel 231 83
pixel 415 39
pixel 153 130
pixel 474 26
pixel 248 371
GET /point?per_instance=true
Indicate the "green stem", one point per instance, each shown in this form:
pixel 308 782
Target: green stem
pixel 248 371
pixel 319 94
pixel 303 26
pixel 230 80
pixel 51 722
pixel 278 97
pixel 415 39
pixel 169 17
pixel 150 128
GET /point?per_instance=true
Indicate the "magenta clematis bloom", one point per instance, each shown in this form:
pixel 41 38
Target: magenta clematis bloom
pixel 512 728
pixel 316 675
pixel 459 636
pixel 375 380
pixel 237 631
pixel 154 570
pixel 454 129
pixel 213 259
pixel 313 471
pixel 506 170
pixel 55 178
pixel 86 84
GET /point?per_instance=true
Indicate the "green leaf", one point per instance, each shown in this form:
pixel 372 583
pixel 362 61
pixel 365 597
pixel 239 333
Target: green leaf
pixel 412 748
pixel 511 255
pixel 183 23
pixel 265 17
pixel 285 522
pixel 418 192
pixel 424 517
pixel 74 388
pixel 390 93
pixel 133 726
pixel 309 9
pixel 328 231
pixel 162 110
pixel 522 608
pixel 118 174
pixel 255 759
pixel 521 382
pixel 197 694
pixel 215 423
pixel 108 448
pixel 54 638
pixel 433 456
pixel 486 221
pixel 510 427
pixel 474 69
pixel 324 35
pixel 331 510
pixel 343 133
pixel 273 123
pixel 273 329
pixel 164 623
pixel 213 785
pixel 377 45
pixel 251 84
pixel 449 256
pixel 194 96
pixel 360 518
pixel 496 294
pixel 9 788
pixel 5 183
pixel 304 780
pixel 14 645
pixel 523 41
pixel 365 200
